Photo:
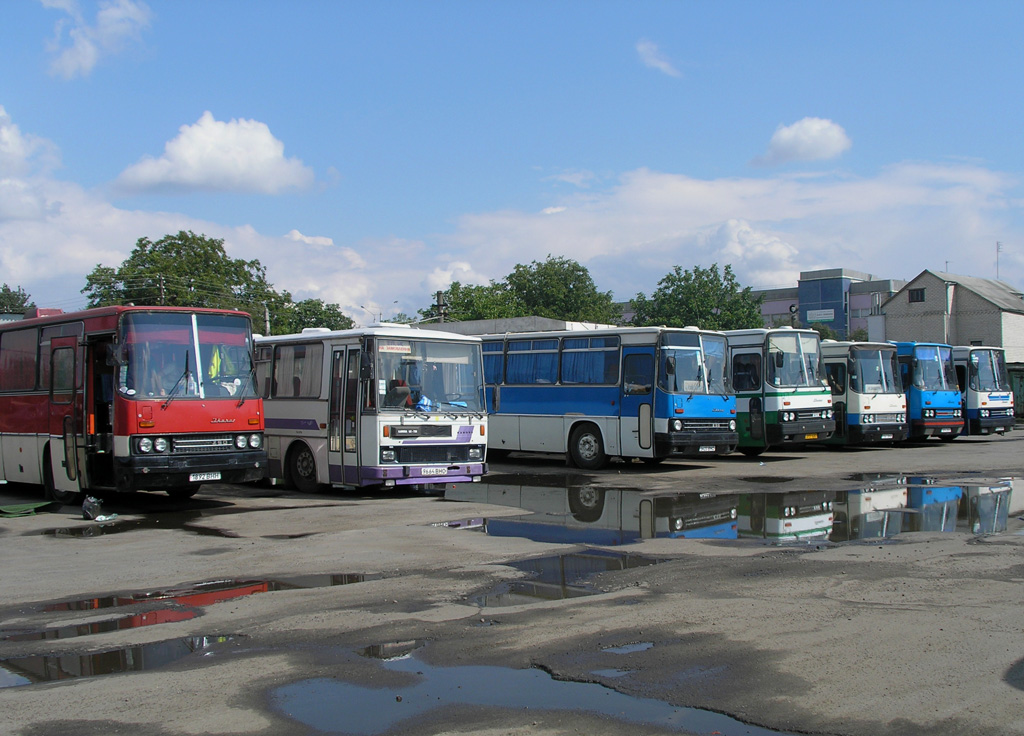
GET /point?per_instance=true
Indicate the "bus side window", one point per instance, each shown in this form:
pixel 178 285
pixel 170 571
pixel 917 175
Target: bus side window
pixel 746 372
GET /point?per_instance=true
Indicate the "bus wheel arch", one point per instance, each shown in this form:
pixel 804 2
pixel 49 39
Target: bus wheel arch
pixel 586 447
pixel 300 468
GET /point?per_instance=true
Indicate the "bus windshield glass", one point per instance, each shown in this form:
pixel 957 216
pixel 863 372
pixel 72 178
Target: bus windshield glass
pixel 988 371
pixel 174 354
pixel 933 368
pixel 716 364
pixel 428 374
pixel 794 360
pixel 873 371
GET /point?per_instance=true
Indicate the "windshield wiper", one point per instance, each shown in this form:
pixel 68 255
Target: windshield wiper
pixel 174 389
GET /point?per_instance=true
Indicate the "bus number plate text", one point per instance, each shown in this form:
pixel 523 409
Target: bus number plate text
pixel 199 477
pixel 812 436
pixel 886 436
pixel 434 471
pixel 707 448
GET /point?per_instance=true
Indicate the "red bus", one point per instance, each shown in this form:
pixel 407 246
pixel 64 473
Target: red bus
pixel 129 398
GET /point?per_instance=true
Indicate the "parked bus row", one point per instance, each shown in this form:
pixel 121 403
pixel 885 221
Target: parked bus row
pixel 161 398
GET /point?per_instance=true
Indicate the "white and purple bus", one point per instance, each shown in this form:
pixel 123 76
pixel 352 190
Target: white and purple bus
pixel 380 406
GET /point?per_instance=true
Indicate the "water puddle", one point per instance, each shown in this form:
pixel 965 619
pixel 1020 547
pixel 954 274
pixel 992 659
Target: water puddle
pixel 175 604
pixel 331 706
pixel 881 506
pixel 558 578
pixel 17 671
pixel 642 646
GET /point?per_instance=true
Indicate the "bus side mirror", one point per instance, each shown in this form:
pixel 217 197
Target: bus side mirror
pixel 365 366
pixel 115 354
pixel 780 359
pixel 670 365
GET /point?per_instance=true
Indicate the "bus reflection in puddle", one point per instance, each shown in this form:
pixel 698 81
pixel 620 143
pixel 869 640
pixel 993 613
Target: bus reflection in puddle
pixel 578 512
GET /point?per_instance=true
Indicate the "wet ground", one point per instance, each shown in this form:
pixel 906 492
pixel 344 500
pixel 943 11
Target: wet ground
pixel 735 597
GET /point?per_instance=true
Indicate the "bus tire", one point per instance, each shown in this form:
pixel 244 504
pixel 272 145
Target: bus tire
pixel 68 498
pixel 948 437
pixel 302 468
pixel 586 448
pixel 183 492
pixel 752 451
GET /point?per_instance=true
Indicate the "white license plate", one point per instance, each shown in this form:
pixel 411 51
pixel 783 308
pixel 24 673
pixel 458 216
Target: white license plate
pixel 200 477
pixel 886 436
pixel 707 448
pixel 434 471
pixel 945 430
pixel 999 429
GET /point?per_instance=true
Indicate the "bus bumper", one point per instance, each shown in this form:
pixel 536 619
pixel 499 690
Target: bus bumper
pixel 867 434
pixel 691 444
pixel 148 472
pixel 935 428
pixel 991 425
pixel 790 433
pixel 404 475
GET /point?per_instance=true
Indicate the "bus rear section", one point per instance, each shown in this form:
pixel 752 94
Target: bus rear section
pixel 129 398
pixel 373 407
pixel 781 396
pixel 986 395
pixel 933 395
pixel 867 396
pixel 644 393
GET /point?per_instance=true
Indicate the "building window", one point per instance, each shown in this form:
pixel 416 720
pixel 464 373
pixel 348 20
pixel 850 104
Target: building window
pixel 915 295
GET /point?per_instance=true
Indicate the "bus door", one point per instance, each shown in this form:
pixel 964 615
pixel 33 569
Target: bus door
pixel 343 442
pixel 65 419
pixel 636 415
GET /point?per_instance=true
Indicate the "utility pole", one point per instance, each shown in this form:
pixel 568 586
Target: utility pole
pixel 441 304
pixel 999 247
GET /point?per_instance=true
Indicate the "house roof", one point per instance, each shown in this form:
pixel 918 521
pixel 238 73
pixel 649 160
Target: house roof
pixel 999 293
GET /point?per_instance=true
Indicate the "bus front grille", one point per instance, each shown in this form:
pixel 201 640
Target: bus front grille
pixel 432 454
pixel 203 443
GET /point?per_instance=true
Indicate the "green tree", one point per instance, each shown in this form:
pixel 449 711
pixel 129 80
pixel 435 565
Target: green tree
pixel 559 288
pixel 310 313
pixel 181 270
pixel 463 302
pixel 14 301
pixel 826 332
pixel 702 297
pixel 860 335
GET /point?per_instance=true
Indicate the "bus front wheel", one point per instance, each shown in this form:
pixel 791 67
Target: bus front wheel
pixel 183 492
pixel 302 468
pixel 68 498
pixel 586 448
pixel 753 451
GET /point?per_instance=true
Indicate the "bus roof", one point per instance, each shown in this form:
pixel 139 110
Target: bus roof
pixel 598 332
pixel 110 313
pixel 397 331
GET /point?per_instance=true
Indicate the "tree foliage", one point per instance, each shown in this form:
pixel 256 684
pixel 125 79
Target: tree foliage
pixel 14 301
pixel 558 288
pixel 702 297
pixel 190 270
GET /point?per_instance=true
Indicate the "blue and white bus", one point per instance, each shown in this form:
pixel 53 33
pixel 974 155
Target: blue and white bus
pixel 867 397
pixel 630 392
pixel 987 400
pixel 933 396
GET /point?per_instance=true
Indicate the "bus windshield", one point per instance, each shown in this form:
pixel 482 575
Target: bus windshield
pixel 873 371
pixel 988 371
pixel 933 368
pixel 429 374
pixel 174 354
pixel 693 364
pixel 794 360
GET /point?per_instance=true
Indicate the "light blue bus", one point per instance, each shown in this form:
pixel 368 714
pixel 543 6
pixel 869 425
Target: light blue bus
pixel 985 387
pixel 630 392
pixel 933 396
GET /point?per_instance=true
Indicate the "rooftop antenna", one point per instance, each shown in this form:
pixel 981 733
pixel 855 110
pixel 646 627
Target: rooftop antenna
pixel 999 248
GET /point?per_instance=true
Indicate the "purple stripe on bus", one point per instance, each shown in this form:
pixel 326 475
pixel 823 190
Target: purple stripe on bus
pixel 309 424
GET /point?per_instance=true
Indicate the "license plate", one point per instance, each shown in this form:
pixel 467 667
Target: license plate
pixel 707 448
pixel 812 436
pixel 200 477
pixel 999 429
pixel 945 430
pixel 886 436
pixel 434 471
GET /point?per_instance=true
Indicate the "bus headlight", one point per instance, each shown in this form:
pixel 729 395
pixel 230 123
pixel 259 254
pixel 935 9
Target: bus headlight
pixel 732 425
pixel 145 445
pixel 255 441
pixel 476 453
pixel 677 424
pixel 677 525
pixel 160 444
pixel 387 456
pixel 241 441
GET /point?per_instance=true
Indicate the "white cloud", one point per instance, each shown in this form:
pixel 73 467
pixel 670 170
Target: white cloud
pixel 22 154
pixel 652 57
pixel 235 156
pixel 117 22
pixel 810 139
pixel 309 240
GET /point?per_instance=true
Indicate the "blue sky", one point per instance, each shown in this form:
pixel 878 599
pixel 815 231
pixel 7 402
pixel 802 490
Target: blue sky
pixel 368 154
